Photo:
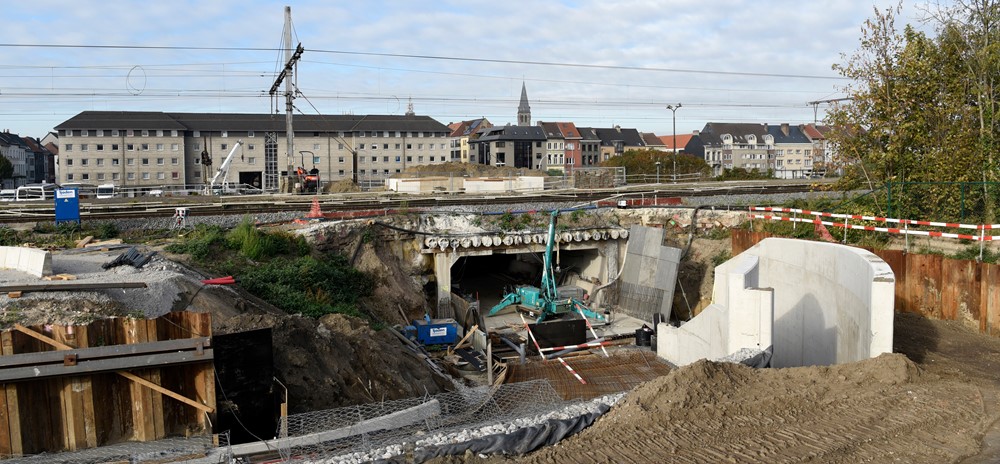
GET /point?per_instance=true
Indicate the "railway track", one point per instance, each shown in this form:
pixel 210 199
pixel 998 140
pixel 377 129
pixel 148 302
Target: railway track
pixel 138 208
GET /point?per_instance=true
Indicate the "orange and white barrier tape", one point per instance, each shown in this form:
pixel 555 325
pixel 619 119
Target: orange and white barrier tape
pixel 571 371
pixel 892 230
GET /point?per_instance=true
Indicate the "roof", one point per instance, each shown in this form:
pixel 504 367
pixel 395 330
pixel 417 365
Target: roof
pixel 466 128
pixel 787 133
pixel 682 140
pixel 815 132
pixel 569 130
pixel 712 133
pixel 551 130
pixel 629 137
pixel 508 132
pixel 523 106
pixel 650 139
pixel 249 122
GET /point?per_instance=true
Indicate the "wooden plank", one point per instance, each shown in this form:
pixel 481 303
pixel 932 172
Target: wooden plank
pixel 12 423
pixel 71 286
pixel 204 379
pixel 142 401
pixel 105 352
pixel 990 300
pixel 923 285
pixel 159 427
pixel 85 388
pixel 960 293
pixel 146 361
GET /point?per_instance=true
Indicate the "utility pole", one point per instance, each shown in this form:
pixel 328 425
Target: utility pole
pixel 286 74
pixel 673 109
pixel 815 105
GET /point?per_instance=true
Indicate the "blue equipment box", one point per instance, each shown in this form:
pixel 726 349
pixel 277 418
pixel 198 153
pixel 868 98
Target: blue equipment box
pixel 436 331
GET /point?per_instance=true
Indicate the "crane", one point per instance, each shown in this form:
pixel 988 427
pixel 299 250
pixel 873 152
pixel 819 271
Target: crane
pixel 545 300
pixel 224 171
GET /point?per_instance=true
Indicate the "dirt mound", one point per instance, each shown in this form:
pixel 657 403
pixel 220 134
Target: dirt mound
pixel 341 186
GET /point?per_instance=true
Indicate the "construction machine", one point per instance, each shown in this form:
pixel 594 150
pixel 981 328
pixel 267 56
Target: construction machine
pixel 308 180
pixel 545 300
pixel 223 172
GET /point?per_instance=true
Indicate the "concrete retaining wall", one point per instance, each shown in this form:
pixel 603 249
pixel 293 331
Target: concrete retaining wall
pixel 31 260
pixel 831 304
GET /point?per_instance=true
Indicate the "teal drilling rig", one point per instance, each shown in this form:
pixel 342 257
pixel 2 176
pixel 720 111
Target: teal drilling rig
pixel 545 301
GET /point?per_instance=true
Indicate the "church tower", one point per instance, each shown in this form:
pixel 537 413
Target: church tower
pixel 523 110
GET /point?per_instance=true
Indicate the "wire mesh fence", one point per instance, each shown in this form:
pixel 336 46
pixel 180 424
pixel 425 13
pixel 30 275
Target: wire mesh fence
pixel 166 450
pixel 317 436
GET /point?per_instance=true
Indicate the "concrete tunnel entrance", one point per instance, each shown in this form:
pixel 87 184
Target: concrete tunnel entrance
pixel 488 277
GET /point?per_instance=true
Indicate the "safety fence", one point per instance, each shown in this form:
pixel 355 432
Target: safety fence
pixel 905 226
pixel 392 427
pixel 931 285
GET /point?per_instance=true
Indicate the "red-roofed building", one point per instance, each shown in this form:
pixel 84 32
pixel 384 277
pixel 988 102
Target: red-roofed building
pixel 682 141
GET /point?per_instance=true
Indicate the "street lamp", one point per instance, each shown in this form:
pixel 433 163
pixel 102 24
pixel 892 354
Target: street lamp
pixel 657 172
pixel 673 109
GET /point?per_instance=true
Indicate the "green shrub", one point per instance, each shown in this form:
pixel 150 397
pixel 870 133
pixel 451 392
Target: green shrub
pixel 309 286
pixel 105 231
pixel 9 237
pixel 201 242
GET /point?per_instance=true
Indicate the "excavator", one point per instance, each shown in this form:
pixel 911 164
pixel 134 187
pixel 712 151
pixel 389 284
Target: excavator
pixel 223 172
pixel 545 301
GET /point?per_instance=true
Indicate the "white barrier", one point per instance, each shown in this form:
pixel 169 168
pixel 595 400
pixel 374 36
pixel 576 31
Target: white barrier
pixel 816 303
pixel 31 260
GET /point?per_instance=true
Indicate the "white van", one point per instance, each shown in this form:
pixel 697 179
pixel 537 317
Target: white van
pixel 106 191
pixel 8 195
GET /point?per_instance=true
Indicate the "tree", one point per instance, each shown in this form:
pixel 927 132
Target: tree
pixel 644 162
pixel 915 114
pixel 6 168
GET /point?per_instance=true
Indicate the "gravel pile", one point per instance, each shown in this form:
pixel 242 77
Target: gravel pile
pixel 461 436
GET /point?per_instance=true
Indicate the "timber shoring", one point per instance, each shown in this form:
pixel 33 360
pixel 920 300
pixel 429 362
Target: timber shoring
pixel 72 412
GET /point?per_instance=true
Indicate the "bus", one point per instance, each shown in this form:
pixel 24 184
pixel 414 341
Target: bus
pixel 35 192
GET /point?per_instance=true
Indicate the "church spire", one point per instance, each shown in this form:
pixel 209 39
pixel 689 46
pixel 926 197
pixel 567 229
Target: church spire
pixel 523 110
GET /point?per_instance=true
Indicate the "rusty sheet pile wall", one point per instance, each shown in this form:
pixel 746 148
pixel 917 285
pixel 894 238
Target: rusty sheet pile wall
pixel 73 387
pixel 931 285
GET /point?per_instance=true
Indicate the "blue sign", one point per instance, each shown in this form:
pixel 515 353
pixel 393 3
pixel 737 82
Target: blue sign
pixel 67 205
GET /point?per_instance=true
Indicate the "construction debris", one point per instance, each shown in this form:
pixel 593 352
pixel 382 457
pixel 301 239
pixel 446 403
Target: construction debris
pixel 84 241
pixel 131 257
pixel 60 277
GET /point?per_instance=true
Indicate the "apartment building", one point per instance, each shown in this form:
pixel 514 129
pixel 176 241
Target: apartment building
pixel 515 146
pixel 783 149
pixel 21 157
pixel 156 149
pixel 461 133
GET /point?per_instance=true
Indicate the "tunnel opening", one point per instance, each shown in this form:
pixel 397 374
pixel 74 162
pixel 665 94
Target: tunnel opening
pixel 488 278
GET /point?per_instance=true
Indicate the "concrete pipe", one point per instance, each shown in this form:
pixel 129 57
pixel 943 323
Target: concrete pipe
pixel 497 241
pixel 518 240
pixel 508 240
pixel 624 234
pixel 613 234
pixel 475 241
pixel 465 242
pixel 431 242
pixel 487 241
pixel 443 244
pixel 528 239
pixel 577 237
pixel 454 243
pixel 566 237
pixel 586 235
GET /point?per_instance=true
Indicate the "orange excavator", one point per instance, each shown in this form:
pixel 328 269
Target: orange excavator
pixel 309 180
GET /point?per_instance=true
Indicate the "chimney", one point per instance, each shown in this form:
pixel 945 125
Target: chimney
pixel 784 128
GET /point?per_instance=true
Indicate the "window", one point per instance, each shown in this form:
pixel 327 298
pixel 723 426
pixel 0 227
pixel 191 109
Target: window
pixel 374 146
pixel 145 176
pixel 420 159
pixel 173 133
pixel 374 159
pixel 361 146
pixel 115 147
pixel 197 145
pixel 397 146
pixel 159 161
pixel 145 161
pixel 69 147
pixel 340 172
pixel 225 133
pixel 84 133
pixel 116 133
pixel 84 162
pixel 130 161
pixel 145 147
pixel 145 133
pixel 315 160
pixel 84 147
pixel 340 146
pixel 385 146
pixel 100 176
pixel 315 146
pixel 197 174
pixel 159 133
pixel 385 159
pixel 250 146
pixel 115 162
pixel 159 147
pixel 161 176
pixel 409 159
pixel 252 160
pixel 69 161
pixel 225 146
pixel 175 147
pixel 176 175
pixel 409 146
pixel 69 176
pixel 100 161
pixel 115 176
pixel 174 161
pixel 130 147
pixel 197 159
pixel 432 159
pixel 397 158
pixel 249 133
pixel 196 134
pixel 340 159
pixel 100 147
pixel 420 146
pixel 131 176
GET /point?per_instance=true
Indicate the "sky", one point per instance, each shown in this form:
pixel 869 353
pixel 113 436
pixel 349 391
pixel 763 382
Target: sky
pixel 594 63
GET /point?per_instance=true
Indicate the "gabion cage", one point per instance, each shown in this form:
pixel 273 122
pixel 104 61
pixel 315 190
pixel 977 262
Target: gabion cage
pixel 398 425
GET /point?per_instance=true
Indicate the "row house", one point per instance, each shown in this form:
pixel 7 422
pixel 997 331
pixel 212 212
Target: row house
pixel 461 133
pixel 784 150
pixel 555 145
pixel 515 146
pixel 21 157
pixel 156 149
pixel 822 149
pixel 43 161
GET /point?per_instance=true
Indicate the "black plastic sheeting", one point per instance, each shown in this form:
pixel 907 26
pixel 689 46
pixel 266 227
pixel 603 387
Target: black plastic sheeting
pixel 521 441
